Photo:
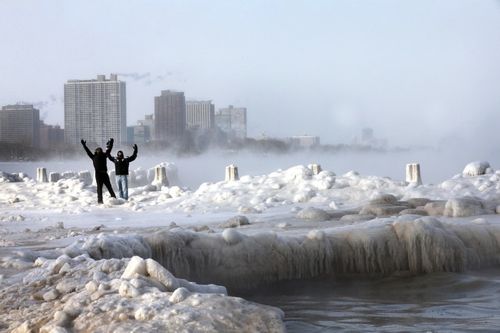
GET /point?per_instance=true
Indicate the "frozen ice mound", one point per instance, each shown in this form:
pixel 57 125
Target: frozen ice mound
pixel 476 168
pixel 81 294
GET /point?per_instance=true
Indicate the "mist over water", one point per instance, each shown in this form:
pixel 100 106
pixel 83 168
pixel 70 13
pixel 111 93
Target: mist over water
pixel 436 165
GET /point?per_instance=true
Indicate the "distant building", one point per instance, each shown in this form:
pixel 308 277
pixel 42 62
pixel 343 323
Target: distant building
pixel 170 116
pixel 368 139
pixel 20 124
pixel 200 115
pixel 304 141
pixel 148 122
pixel 233 121
pixel 95 110
pixel 51 136
pixel 142 132
pixel 367 135
pixel 138 134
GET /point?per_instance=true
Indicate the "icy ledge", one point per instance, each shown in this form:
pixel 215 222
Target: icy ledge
pixel 409 244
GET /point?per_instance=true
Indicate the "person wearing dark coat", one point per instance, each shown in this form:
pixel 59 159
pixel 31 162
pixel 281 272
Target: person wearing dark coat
pixel 101 169
pixel 121 170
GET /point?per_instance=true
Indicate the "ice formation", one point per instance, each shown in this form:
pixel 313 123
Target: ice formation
pixel 163 260
pixel 81 294
pixel 409 243
pixel 476 168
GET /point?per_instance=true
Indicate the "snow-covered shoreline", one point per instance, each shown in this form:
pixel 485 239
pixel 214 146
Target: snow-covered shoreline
pixel 289 224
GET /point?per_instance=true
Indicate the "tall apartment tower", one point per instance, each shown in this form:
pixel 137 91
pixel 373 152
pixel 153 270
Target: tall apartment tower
pixel 20 124
pixel 232 121
pixel 95 110
pixel 170 116
pixel 200 115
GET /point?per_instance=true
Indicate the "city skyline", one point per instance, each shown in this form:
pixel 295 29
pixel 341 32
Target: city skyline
pixel 415 72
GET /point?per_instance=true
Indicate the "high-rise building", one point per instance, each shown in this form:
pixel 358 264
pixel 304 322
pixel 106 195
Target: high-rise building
pixel 51 136
pixel 20 124
pixel 200 114
pixel 95 110
pixel 170 116
pixel 149 124
pixel 141 133
pixel 233 121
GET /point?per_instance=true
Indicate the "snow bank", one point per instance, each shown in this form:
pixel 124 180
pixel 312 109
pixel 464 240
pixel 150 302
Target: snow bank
pixel 258 194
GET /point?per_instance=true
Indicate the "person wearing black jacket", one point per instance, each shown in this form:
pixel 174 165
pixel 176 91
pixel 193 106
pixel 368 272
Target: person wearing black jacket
pixel 121 170
pixel 101 169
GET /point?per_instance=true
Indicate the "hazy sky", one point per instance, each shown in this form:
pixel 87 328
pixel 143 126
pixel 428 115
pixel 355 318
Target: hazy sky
pixel 415 71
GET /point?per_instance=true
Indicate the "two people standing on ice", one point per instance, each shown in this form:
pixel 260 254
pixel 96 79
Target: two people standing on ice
pixel 101 170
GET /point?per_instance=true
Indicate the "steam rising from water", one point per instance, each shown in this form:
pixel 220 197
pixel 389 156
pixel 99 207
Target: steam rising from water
pixel 436 165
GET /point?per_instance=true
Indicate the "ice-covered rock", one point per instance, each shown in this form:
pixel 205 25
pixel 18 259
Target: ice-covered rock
pixel 6 177
pixel 179 295
pixel 476 168
pixel 460 207
pixel 435 208
pixel 232 236
pixel 357 217
pixel 236 221
pixel 412 211
pixel 105 246
pixel 161 274
pixel 382 209
pixel 313 214
pixel 136 265
pixel 297 174
pixel 417 202
pixel 384 199
pixel 384 205
pixel 316 235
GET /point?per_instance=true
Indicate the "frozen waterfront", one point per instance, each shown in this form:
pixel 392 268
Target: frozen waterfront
pixel 335 252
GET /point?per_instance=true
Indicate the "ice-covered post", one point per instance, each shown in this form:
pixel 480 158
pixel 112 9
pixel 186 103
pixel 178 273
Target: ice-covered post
pixel 41 175
pixel 160 176
pixel 54 177
pixel 316 168
pixel 232 173
pixel 413 174
pixel 85 177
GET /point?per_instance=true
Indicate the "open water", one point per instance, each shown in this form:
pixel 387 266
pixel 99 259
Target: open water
pixel 438 302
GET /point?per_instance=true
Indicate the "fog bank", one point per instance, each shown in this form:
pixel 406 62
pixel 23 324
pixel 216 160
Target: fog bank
pixel 436 164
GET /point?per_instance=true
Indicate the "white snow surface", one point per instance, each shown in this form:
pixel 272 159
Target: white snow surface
pixel 166 259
